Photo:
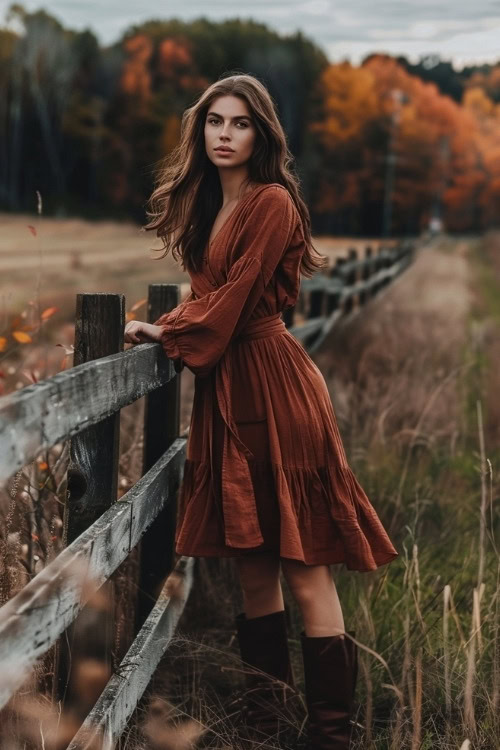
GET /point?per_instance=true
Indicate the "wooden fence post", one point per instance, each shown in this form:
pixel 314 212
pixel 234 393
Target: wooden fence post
pixel 316 303
pixel 367 270
pixel 350 276
pixel 288 316
pixel 379 264
pixel 161 428
pixel 91 488
pixel 333 297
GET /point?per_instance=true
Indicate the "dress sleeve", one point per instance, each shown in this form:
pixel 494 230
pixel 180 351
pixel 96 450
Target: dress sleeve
pixel 197 332
pixel 178 363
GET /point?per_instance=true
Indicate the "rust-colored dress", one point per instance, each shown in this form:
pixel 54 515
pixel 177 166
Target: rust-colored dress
pixel 265 467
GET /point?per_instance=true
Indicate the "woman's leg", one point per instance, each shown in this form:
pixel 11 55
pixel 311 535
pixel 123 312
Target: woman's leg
pixel 314 590
pixel 260 583
pixel 262 637
pixel 330 657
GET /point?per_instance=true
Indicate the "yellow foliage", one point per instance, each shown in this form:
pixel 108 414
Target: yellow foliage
pixel 349 102
pixel 477 101
pixel 22 337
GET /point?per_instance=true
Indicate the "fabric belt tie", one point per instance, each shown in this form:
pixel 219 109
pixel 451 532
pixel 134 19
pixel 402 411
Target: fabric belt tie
pixel 241 522
pixel 260 328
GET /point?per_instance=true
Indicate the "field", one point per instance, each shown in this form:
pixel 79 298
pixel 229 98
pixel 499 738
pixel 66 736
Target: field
pixel 414 380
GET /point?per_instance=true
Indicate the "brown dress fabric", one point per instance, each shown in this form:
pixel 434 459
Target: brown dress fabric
pixel 265 466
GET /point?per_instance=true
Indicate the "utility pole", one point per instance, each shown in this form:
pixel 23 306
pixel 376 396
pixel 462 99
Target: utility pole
pixel 398 97
pixel 436 220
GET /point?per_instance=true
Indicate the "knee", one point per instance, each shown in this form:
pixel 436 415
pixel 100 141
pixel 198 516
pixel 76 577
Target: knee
pixel 308 585
pixel 256 582
pixel 251 593
pixel 303 592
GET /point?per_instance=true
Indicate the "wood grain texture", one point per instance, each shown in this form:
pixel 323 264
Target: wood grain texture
pixel 53 410
pixel 33 619
pixel 115 705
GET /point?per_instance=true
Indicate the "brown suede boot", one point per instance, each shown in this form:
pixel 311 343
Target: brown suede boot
pixel 330 672
pixel 264 646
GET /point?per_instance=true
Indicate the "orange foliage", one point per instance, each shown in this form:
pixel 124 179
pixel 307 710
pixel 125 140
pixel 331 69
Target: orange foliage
pixel 175 64
pixel 487 116
pixel 138 304
pixel 190 81
pixel 489 82
pixel 171 133
pixel 48 312
pixel 173 56
pixel 443 151
pixel 136 77
pixel 22 337
pixel 349 102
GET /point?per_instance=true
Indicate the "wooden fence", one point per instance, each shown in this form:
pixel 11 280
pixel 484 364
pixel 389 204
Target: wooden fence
pixel 83 404
pixel 101 533
pixel 349 284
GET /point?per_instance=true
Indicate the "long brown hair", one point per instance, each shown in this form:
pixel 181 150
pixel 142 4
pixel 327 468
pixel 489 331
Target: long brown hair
pixel 188 193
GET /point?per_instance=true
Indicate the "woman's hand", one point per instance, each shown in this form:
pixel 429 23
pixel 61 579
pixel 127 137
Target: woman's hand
pixel 137 332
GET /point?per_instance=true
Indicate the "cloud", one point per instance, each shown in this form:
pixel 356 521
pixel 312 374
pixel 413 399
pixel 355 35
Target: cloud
pixel 455 29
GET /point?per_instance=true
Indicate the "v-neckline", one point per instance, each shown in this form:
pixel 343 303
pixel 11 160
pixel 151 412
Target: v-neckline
pixel 211 242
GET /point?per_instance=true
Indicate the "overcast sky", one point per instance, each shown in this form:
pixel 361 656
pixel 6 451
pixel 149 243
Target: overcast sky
pixel 459 30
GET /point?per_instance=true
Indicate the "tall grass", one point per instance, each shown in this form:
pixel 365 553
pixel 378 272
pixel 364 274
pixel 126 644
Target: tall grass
pixel 413 382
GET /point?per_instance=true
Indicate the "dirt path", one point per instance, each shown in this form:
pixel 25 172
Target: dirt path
pixel 396 372
pixel 436 284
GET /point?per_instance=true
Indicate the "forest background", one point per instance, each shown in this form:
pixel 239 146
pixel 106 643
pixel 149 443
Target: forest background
pixel 86 124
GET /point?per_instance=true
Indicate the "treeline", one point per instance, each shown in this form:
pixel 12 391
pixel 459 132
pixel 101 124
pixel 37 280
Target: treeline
pixel 383 146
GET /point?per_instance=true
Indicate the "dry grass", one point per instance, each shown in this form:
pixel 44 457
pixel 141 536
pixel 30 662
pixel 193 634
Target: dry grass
pixel 414 382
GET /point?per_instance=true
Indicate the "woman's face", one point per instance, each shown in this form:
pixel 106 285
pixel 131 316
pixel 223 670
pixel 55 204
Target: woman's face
pixel 229 124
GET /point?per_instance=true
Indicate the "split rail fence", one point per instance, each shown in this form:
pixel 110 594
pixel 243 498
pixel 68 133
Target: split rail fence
pixel 82 405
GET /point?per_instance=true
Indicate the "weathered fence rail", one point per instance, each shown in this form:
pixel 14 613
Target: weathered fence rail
pixel 32 620
pixel 40 415
pixel 349 284
pixel 83 405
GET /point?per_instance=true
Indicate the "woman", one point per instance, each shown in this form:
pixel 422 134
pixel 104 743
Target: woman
pixel 266 479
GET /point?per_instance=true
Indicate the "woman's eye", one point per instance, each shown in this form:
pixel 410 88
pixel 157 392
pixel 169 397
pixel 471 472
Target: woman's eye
pixel 213 121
